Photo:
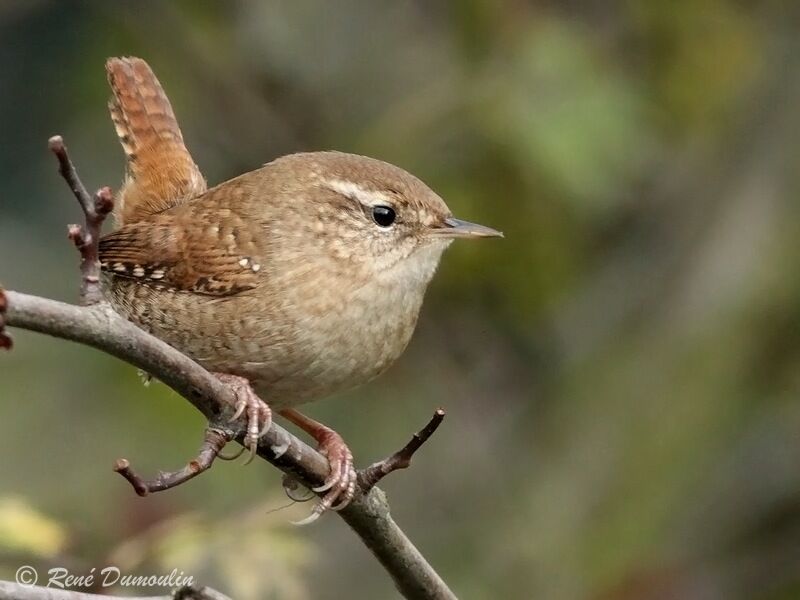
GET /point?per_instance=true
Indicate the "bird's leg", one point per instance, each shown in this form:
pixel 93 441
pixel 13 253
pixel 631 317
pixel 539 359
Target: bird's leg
pixel 259 415
pixel 340 485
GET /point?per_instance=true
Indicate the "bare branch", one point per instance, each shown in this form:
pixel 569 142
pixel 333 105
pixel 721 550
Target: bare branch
pixel 67 170
pixel 369 477
pixel 95 210
pixel 214 442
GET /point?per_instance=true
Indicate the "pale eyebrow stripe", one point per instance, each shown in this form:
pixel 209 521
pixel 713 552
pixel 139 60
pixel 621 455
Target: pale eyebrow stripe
pixel 356 192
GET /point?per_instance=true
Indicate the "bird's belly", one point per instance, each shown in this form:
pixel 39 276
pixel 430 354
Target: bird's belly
pixel 290 359
pixel 340 365
pixel 332 353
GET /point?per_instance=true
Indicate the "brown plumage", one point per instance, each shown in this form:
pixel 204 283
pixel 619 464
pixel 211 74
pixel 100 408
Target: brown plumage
pixel 160 170
pixel 282 276
pixel 297 280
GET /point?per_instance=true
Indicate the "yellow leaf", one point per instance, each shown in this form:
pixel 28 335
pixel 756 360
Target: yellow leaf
pixel 24 529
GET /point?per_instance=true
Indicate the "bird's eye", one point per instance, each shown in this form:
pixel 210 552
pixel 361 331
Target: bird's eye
pixel 384 216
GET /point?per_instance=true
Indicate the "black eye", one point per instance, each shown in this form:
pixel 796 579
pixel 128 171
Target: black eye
pixel 383 215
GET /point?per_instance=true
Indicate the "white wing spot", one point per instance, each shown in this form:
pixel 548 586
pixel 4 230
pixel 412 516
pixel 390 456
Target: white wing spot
pixel 244 262
pixel 256 268
pixel 138 271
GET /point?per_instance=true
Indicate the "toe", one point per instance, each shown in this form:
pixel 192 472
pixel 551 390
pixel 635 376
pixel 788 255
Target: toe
pixel 348 491
pixel 341 483
pixel 266 418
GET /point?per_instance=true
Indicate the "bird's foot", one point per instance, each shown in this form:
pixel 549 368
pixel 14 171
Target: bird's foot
pixel 340 484
pixel 259 414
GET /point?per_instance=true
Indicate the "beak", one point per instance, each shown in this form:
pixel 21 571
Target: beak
pixel 456 228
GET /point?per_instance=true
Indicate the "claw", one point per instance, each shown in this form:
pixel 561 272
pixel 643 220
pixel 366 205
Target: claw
pixel 295 490
pixel 233 456
pixel 325 486
pixel 253 447
pixel 315 514
pixel 240 406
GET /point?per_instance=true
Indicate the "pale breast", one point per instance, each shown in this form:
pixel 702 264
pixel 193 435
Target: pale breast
pixel 292 351
pixel 347 346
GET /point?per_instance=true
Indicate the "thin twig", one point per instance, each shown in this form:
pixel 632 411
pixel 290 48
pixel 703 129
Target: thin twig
pixel 69 173
pixel 214 442
pixel 95 210
pixel 369 477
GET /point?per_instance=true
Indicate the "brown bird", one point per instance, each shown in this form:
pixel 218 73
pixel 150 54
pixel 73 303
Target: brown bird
pixel 291 282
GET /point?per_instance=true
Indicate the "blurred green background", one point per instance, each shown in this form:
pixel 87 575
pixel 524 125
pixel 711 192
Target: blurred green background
pixel 621 373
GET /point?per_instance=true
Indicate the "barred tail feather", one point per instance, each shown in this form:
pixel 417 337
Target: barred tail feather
pixel 160 170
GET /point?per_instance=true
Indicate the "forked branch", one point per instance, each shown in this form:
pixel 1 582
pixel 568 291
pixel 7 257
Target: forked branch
pixel 214 442
pixel 95 210
pixel 369 477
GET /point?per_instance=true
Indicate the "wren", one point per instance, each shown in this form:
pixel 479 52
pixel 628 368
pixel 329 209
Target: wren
pixel 291 282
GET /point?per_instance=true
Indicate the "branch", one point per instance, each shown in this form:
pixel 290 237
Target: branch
pixel 95 210
pixel 369 477
pixel 213 444
pixel 16 591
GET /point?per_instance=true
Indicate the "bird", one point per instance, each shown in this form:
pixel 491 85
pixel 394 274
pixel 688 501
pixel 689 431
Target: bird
pixel 291 282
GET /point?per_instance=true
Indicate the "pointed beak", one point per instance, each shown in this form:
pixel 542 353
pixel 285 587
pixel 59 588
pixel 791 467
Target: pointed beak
pixel 456 228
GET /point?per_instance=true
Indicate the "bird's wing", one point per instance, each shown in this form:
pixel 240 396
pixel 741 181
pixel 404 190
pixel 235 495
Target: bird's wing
pixel 183 251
